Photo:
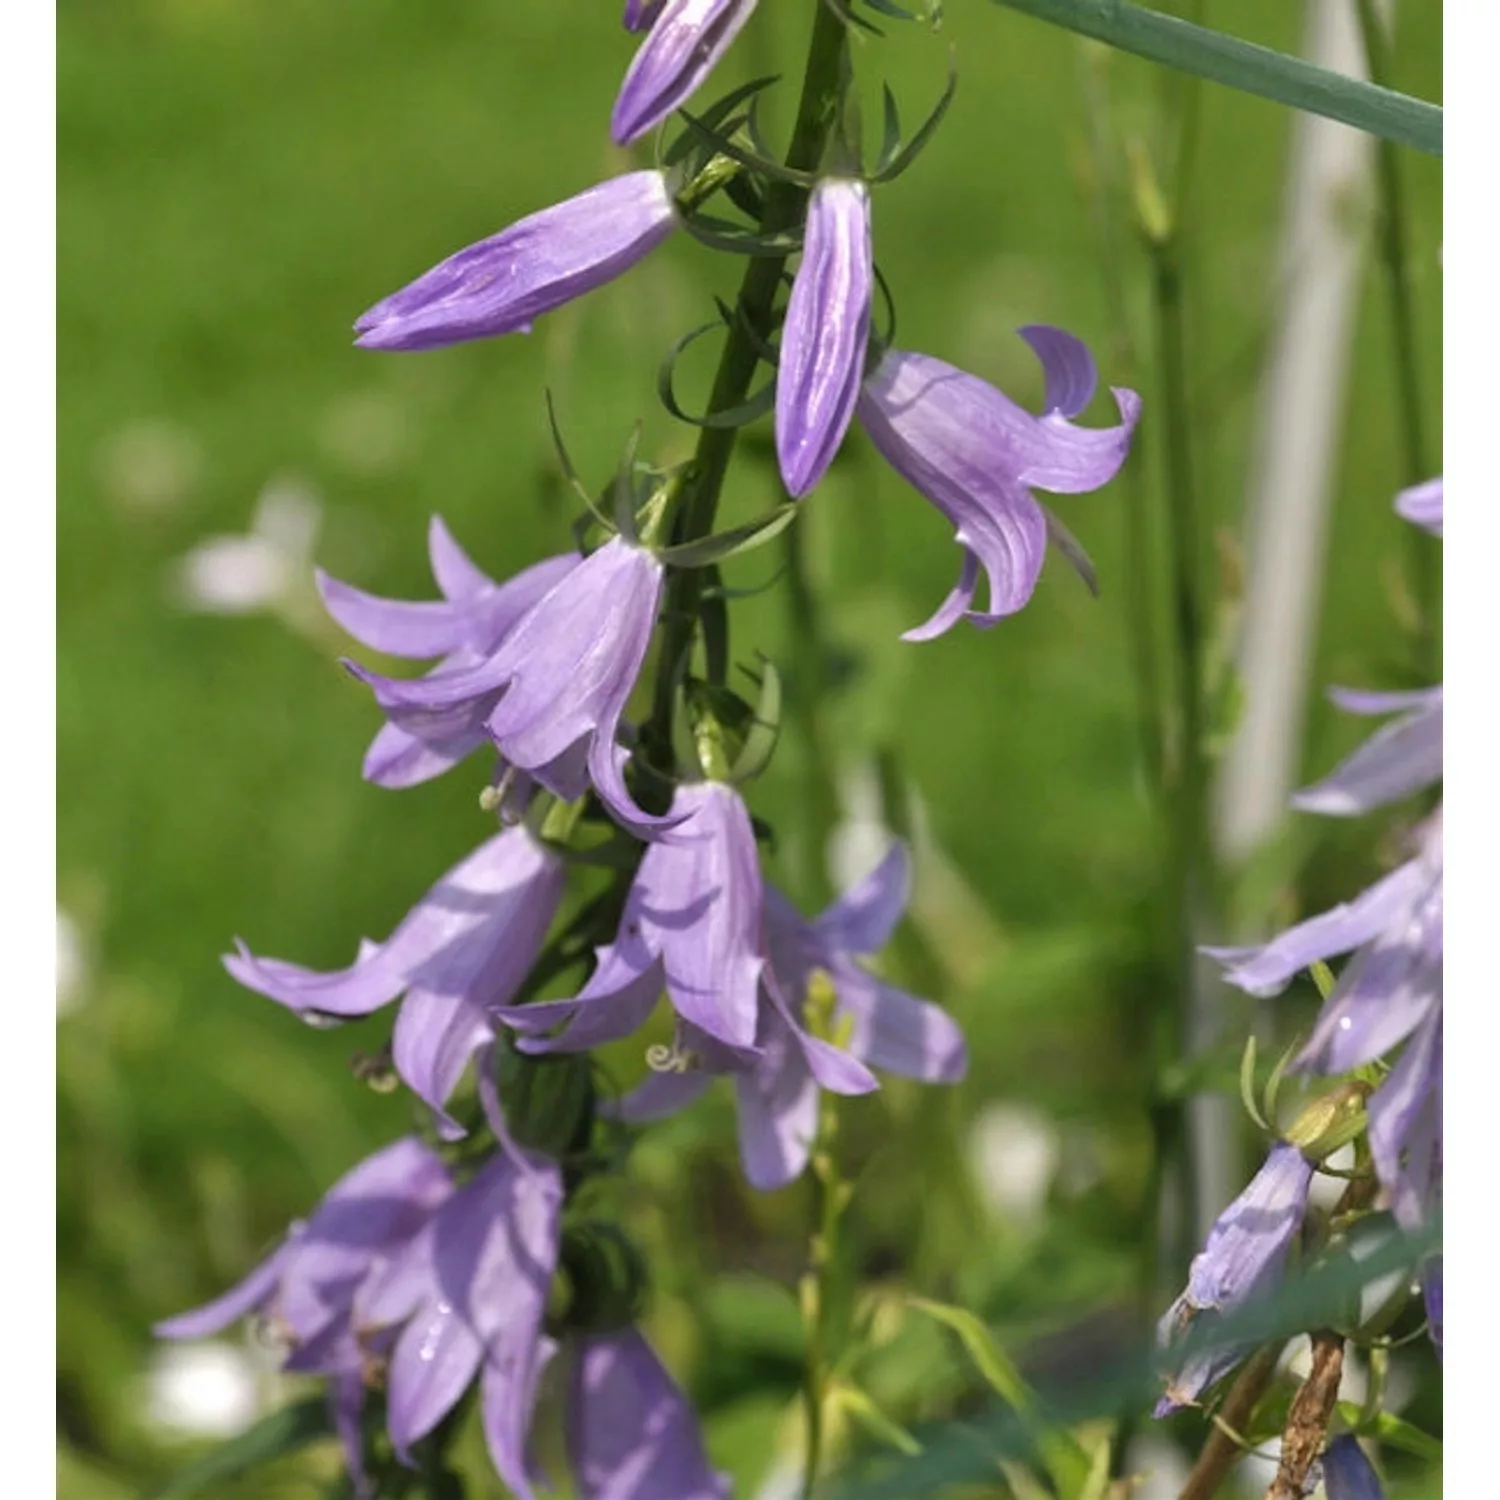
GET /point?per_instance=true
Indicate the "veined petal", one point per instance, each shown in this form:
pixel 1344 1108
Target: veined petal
pixel 1396 761
pixel 1406 1123
pixel 826 331
pixel 508 1397
pixel 617 1001
pixel 398 627
pixel 898 1032
pixel 397 759
pixel 686 39
pixel 1267 969
pixel 501 283
pixel 698 900
pixel 778 1116
pixel 863 918
pixel 639 14
pixel 446 939
pixel 631 1433
pixel 435 1359
pixel 455 572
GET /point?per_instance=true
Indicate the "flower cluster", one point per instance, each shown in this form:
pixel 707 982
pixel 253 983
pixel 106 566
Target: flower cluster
pixel 1389 993
pixel 430 1267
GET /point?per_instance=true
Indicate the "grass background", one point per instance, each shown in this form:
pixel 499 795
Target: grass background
pixel 236 183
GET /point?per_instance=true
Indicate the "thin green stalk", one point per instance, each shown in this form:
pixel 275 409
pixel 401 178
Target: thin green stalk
pixel 817 111
pixel 1395 257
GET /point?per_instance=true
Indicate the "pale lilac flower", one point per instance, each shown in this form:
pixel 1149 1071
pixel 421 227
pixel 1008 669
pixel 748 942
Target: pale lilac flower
pixel 501 283
pixel 777 1084
pixel 692 925
pixel 463 628
pixel 1422 505
pixel 552 694
pixel 639 14
pixel 686 39
pixel 825 333
pixel 1347 1473
pixel 458 955
pixel 1396 761
pixel 631 1433
pixel 469 1294
pixel 309 1288
pixel 977 456
pixel 1242 1257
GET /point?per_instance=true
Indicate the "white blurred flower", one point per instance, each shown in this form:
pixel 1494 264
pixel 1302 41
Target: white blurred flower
pixel 268 568
pixel 1013 1153
pixel 150 466
pixel 72 964
pixel 210 1389
pixel 1158 1467
pixel 367 432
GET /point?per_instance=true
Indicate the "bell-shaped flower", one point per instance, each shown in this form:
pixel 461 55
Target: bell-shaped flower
pixel 463 628
pixel 469 1295
pixel 308 1289
pixel 1396 761
pixel 458 955
pixel 1347 1473
pixel 825 333
pixel 692 925
pixel 777 1085
pixel 552 694
pixel 631 1433
pixel 977 456
pixel 501 283
pixel 1243 1256
pixel 686 39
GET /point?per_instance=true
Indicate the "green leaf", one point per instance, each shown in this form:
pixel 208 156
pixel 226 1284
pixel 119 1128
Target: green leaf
pixel 1060 1451
pixel 851 1399
pixel 273 1437
pixel 1247 67
pixel 1394 1432
pixel 714 549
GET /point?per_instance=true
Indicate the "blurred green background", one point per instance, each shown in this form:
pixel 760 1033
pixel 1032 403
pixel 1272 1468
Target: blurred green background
pixel 237 182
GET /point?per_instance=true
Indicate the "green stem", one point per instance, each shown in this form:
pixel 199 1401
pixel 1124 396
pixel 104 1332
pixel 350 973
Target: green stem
pixel 818 1290
pixel 819 791
pixel 817 112
pixel 1395 258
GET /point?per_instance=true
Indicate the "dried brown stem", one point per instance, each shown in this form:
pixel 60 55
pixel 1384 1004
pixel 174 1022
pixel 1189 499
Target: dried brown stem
pixel 1221 1452
pixel 1307 1422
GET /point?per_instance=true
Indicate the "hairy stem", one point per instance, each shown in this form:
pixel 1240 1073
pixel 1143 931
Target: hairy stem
pixel 817 111
pixel 1395 258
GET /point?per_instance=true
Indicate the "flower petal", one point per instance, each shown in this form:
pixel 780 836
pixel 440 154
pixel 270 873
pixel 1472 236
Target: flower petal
pixel 1396 761
pixel 825 333
pixel 898 1032
pixel 241 1299
pixel 863 918
pixel 1422 505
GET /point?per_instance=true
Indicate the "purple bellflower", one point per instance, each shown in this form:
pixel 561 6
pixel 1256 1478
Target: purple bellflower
pixel 501 283
pixel 1422 505
pixel 461 952
pixel 463 628
pixel 1242 1257
pixel 686 39
pixel 469 1294
pixel 777 1088
pixel 631 1433
pixel 1347 1473
pixel 552 694
pixel 825 334
pixel 976 455
pixel 309 1288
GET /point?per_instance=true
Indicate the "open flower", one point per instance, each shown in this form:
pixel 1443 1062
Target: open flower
pixel 977 456
pixel 463 628
pixel 459 954
pixel 686 39
pixel 631 1433
pixel 469 1294
pixel 825 333
pixel 501 283
pixel 552 694
pixel 1242 1257
pixel 309 1286
pixel 692 925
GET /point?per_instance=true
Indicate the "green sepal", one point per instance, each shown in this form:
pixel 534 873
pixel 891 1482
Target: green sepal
pixel 571 474
pixel 712 119
pixel 735 416
pixel 725 234
pixel 765 728
pixel 896 158
pixel 705 551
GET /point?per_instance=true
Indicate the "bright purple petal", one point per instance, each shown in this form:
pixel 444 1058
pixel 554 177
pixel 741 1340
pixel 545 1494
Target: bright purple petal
pixel 824 336
pixel 1067 367
pixel 501 283
pixel 1267 969
pixel 686 39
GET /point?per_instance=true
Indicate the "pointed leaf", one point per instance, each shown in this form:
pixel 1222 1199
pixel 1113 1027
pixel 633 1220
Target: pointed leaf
pixel 274 1436
pixel 713 549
